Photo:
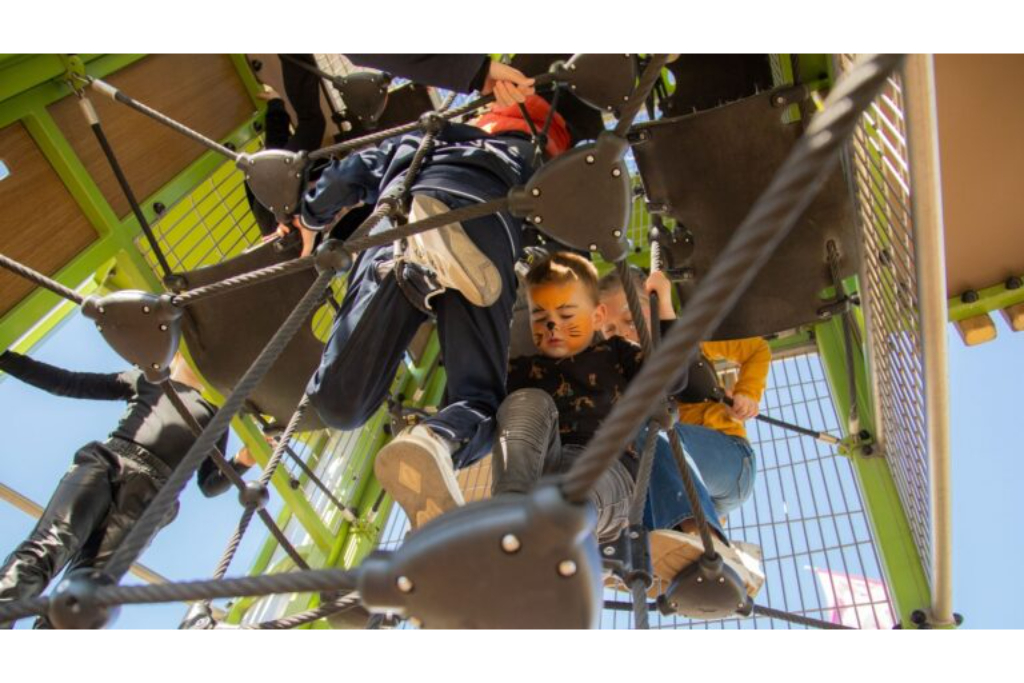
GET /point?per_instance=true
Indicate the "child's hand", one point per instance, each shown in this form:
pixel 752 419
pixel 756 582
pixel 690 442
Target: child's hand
pixel 657 282
pixel 510 86
pixel 244 457
pixel 743 407
pixel 308 236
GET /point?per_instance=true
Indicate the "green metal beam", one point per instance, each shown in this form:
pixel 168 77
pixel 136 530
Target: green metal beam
pixel 905 576
pixel 994 298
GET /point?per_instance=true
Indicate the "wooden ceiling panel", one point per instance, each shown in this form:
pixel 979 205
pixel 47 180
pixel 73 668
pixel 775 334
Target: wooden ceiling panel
pixel 41 225
pixel 204 92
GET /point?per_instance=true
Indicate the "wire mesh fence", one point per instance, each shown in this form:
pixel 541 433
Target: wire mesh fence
pixel 878 169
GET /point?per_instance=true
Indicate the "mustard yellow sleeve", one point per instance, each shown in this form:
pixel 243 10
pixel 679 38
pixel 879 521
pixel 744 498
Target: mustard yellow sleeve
pixel 754 357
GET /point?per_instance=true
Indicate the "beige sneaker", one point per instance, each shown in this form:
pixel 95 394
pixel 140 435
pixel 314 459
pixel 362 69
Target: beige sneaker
pixel 451 255
pixel 673 551
pixel 415 468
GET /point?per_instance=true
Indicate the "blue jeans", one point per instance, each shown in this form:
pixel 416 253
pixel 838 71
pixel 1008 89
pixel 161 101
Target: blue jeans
pixel 723 467
pixel 377 323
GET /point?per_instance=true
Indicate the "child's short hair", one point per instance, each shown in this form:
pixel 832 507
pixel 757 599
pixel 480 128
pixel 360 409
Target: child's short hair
pixel 565 266
pixel 610 282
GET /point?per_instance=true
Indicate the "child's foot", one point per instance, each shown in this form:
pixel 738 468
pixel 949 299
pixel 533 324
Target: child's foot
pixel 416 470
pixel 673 551
pixel 452 256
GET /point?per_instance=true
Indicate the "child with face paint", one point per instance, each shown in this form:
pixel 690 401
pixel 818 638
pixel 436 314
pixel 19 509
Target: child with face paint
pixel 713 437
pixel 559 397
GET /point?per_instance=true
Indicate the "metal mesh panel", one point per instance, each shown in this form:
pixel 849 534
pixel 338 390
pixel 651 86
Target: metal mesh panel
pixel 806 514
pixel 210 224
pixel 878 168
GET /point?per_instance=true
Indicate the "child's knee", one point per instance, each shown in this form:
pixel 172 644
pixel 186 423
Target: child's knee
pixel 536 402
pixel 339 409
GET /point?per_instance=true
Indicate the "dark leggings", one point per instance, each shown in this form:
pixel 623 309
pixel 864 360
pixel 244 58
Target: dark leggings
pixel 528 446
pixel 95 505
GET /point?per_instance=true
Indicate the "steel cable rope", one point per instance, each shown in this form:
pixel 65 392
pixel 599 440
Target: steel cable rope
pixel 327 609
pixel 41 280
pixel 792 189
pixel 136 540
pixel 759 610
pixel 115 94
pixel 234 477
pixel 650 76
pixel 348 512
pixel 93 119
pixel 243 523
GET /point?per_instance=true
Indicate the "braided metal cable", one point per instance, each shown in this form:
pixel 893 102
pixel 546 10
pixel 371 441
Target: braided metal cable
pixel 690 486
pixel 309 616
pixel 760 610
pixel 308 581
pixel 19 609
pixel 41 280
pixel 650 76
pixel 244 280
pixel 465 213
pixel 635 310
pixel 643 476
pixel 283 441
pixel 641 618
pixel 232 546
pixel 115 94
pixel 136 540
pixel 238 482
pixel 767 224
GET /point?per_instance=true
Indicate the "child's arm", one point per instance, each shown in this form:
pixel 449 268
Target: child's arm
pixel 61 382
pixel 353 180
pixel 212 482
pixel 754 357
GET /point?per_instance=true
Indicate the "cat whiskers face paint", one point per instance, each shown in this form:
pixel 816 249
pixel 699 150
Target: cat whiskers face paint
pixel 562 318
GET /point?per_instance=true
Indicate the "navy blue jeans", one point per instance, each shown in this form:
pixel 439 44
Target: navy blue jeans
pixel 724 468
pixel 376 324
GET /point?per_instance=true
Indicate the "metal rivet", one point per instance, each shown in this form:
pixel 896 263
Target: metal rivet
pixel 616 172
pixel 415 623
pixel 101 309
pixel 156 366
pixel 567 568
pixel 741 605
pixel 510 544
pixel 298 175
pixel 537 219
pixel 535 192
pixel 252 162
pixel 146 309
pixel 632 534
pixel 271 209
pixel 721 579
pixel 99 327
pixel 625 98
pixel 617 233
pixel 404 584
pixel 163 328
pixel 609 108
pixel 675 605
pixel 590 159
pixel 700 579
pixel 288 161
pixel 572 67
pixel 609 551
pixel 593 247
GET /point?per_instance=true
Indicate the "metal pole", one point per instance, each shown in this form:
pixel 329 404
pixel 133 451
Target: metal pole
pixel 930 257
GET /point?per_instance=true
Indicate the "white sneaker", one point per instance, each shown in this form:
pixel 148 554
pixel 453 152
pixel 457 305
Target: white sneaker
pixel 447 251
pixel 415 468
pixel 673 551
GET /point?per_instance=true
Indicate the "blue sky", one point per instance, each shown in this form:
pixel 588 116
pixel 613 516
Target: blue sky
pixel 42 432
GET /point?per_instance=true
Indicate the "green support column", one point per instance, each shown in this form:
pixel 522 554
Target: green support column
pixel 907 581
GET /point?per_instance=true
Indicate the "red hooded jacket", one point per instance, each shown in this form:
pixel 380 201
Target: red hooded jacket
pixel 503 119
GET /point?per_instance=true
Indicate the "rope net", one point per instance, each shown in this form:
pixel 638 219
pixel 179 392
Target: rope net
pixel 799 513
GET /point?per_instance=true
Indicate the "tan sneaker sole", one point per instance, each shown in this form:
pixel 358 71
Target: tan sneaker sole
pixel 413 472
pixel 674 551
pixel 452 255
